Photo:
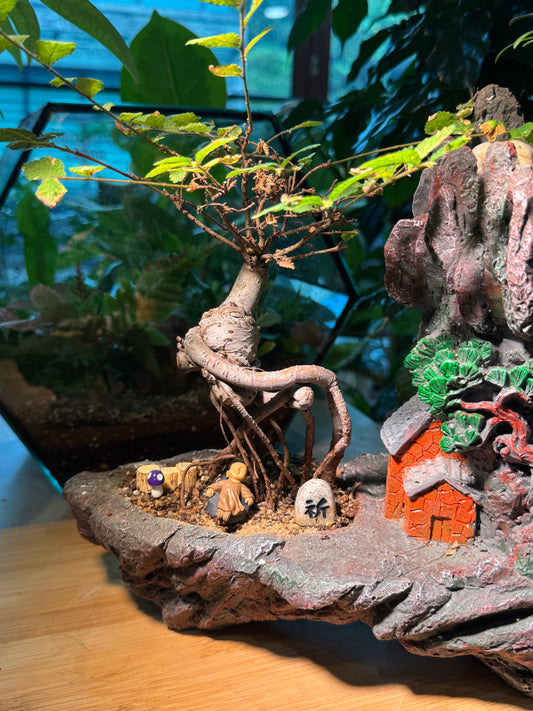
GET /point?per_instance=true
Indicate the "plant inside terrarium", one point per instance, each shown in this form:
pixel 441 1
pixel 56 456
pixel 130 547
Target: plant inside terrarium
pixel 258 204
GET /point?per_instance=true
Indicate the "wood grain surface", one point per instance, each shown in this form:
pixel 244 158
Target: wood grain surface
pixel 73 639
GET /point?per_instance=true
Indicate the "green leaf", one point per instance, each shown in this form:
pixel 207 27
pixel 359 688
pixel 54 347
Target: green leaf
pixel 350 186
pixel 170 73
pixel 255 40
pixel 168 164
pixel 407 156
pixel 44 168
pixel 230 39
pixel 20 138
pixel 253 8
pixel 57 82
pixel 438 121
pixel 217 143
pixel 13 49
pixel 11 41
pixel 310 147
pixel 308 21
pixel 50 192
pixel 40 249
pixel 346 18
pixel 524 132
pixel 5 8
pixel 451 146
pixel 48 52
pixel 86 171
pixel 226 70
pixel 25 20
pixel 84 15
pixel 228 3
pixel 252 169
pixel 431 143
pixel 89 87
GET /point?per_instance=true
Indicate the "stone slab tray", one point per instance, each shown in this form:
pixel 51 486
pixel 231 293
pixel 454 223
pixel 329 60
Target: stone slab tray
pixel 435 600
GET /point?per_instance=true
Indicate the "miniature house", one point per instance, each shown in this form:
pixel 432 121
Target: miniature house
pixel 427 488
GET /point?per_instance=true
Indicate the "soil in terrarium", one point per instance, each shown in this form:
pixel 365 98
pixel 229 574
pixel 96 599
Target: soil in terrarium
pixel 261 518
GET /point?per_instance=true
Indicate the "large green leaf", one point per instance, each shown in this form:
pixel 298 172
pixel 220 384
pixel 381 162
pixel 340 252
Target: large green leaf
pixel 49 52
pixel 308 21
pixel 40 250
pixel 87 17
pixel 169 72
pixel 346 18
pixel 6 6
pixel 25 20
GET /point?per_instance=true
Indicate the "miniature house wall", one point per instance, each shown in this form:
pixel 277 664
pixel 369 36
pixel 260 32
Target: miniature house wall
pixel 425 486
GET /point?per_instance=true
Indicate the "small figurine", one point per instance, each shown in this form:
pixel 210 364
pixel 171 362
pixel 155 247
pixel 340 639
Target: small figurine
pixel 234 498
pixel 156 479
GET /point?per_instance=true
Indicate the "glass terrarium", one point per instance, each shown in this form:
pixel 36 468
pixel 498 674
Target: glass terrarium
pixel 94 293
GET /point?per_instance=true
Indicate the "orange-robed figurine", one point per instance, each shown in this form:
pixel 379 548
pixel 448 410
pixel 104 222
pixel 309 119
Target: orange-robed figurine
pixel 232 490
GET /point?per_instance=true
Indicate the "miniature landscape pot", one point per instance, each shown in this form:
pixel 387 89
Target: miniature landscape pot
pixel 434 599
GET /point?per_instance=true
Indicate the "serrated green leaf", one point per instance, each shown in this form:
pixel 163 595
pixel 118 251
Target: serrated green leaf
pixel 127 116
pixel 524 132
pixel 439 121
pixel 349 187
pixel 452 145
pixel 84 15
pixel 50 192
pixel 88 86
pixel 225 70
pixel 310 147
pixel 86 171
pixel 57 82
pixel 44 168
pixel 217 143
pixel 304 124
pixel 177 176
pixel 5 8
pixel 407 156
pixel 255 40
pixel 229 39
pixel 184 119
pixel 11 40
pixel 50 51
pixel 168 164
pixel 431 143
pixel 252 169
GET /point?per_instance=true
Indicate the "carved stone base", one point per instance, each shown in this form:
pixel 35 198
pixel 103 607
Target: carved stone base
pixel 475 599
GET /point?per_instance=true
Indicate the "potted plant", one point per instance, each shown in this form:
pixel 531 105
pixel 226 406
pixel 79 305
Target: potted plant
pixel 260 205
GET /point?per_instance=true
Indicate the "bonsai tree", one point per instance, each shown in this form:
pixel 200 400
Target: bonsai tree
pixel 248 195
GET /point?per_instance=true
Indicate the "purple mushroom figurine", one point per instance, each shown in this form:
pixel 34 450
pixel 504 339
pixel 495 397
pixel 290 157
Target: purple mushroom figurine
pixel 155 480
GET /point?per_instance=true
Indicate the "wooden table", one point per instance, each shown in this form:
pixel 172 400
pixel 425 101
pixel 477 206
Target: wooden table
pixel 73 639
